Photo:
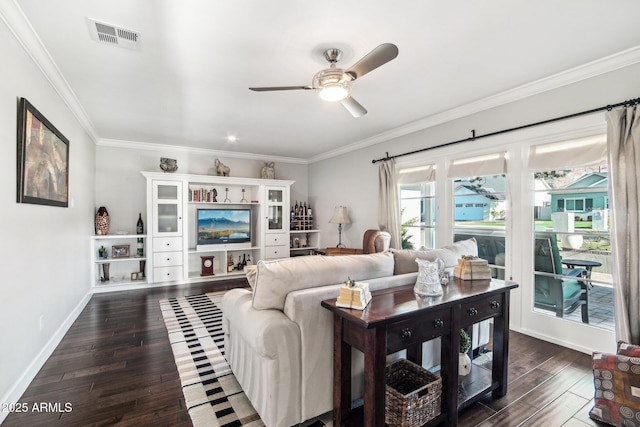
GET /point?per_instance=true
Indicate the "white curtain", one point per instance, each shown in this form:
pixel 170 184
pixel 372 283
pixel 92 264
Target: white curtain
pixel 623 141
pixel 388 202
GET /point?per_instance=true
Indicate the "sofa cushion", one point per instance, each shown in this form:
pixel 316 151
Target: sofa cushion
pixel 275 279
pixel 617 389
pixel 405 259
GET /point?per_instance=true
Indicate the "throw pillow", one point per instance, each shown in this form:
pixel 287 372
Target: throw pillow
pixel 405 259
pixel 617 389
pixel 626 349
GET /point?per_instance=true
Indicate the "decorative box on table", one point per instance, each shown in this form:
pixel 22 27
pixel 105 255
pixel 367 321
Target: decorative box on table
pixel 472 268
pixel 412 394
pixel 354 295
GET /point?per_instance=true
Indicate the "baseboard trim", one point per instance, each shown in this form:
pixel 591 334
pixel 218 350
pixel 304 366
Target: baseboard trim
pixel 18 389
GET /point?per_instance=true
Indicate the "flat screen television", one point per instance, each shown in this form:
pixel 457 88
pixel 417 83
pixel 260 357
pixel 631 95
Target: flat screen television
pixel 222 226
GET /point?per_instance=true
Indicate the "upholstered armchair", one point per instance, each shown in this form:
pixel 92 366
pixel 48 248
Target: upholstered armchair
pixel 373 241
pixel 562 295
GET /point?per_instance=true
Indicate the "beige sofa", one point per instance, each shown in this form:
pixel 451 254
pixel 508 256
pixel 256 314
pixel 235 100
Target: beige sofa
pixel 278 338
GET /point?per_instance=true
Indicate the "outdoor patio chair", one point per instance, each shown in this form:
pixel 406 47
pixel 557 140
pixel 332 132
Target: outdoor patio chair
pixel 562 291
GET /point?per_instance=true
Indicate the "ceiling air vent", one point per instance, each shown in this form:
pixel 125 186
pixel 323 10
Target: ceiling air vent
pixel 113 35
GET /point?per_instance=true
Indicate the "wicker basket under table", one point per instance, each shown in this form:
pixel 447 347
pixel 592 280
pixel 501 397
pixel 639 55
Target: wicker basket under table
pixel 412 394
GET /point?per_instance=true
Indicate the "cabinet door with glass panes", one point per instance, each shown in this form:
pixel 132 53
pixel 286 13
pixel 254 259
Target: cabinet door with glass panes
pixel 276 206
pixel 167 208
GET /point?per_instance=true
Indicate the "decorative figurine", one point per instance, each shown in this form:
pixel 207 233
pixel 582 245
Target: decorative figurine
pixel 168 165
pixel 221 168
pixel 268 171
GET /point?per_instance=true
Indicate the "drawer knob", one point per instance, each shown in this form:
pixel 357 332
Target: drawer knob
pixel 438 323
pixel 495 304
pixel 405 333
pixel 473 311
pixel 168 259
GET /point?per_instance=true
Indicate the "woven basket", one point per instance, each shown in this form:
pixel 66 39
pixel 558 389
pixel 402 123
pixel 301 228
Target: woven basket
pixel 412 394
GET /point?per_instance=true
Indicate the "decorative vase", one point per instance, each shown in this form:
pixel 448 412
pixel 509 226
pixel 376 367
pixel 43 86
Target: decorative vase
pixel 102 221
pixel 142 267
pixel 464 366
pixel 105 272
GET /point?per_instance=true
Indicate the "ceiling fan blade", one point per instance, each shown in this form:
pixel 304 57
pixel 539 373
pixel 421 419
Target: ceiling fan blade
pixel 374 59
pixel 266 89
pixel 354 107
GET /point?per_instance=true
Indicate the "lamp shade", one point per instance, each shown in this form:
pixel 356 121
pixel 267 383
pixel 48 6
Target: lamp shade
pixel 340 216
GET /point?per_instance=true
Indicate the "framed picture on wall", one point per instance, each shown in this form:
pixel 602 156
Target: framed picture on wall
pixel 43 159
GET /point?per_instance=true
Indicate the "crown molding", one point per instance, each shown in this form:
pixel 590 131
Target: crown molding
pixel 22 30
pixel 592 69
pixel 149 146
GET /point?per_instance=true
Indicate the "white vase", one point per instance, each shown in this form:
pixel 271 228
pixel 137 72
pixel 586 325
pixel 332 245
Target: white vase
pixel 464 366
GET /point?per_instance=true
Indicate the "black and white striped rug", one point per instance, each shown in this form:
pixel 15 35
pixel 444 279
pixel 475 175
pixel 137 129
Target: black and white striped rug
pixel 212 395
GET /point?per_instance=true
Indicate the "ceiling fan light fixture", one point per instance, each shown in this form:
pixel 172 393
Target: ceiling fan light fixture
pixel 331 84
pixel 334 92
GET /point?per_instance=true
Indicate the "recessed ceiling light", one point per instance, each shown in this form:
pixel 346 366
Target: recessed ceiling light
pixel 231 138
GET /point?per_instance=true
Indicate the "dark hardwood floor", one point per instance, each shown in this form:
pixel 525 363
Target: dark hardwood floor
pixel 115 367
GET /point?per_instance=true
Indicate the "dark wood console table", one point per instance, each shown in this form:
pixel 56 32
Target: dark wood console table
pixel 397 319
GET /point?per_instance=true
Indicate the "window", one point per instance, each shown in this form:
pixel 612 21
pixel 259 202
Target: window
pixel 572 241
pixel 480 206
pixel 417 215
pixel 480 212
pixel 416 188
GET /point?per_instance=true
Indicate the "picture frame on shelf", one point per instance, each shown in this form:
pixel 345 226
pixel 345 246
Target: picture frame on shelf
pixel 43 159
pixel 120 251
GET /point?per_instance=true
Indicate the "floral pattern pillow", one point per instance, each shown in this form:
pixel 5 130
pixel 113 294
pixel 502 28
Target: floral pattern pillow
pixel 617 387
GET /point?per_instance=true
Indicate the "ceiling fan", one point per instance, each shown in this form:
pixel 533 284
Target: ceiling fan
pixel 333 84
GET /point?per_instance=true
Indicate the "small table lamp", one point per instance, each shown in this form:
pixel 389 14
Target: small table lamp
pixel 340 217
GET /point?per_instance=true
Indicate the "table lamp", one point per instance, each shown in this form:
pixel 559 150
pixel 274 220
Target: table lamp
pixel 340 217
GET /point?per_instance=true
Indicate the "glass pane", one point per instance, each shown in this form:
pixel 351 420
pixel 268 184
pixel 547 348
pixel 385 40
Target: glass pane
pixel 275 196
pixel 417 215
pixel 167 218
pixel 275 217
pixel 168 192
pixel 572 244
pixel 479 207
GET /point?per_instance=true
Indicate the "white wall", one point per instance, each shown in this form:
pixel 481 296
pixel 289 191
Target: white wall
pixel 44 251
pixel 122 189
pixel 351 179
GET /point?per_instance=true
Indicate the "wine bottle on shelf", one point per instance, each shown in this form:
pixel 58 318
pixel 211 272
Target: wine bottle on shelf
pixel 239 265
pixel 140 246
pixel 249 260
pixel 140 225
pixel 230 264
pixel 296 209
pixel 244 260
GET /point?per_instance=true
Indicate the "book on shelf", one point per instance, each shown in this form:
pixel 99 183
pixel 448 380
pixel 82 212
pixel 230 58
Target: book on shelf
pixel 204 195
pixel 356 297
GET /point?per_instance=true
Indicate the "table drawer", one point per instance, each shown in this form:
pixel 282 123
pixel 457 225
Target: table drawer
pixel 276 239
pixel 167 259
pixel 167 244
pixel 274 252
pixel 413 331
pixel 167 274
pixel 481 309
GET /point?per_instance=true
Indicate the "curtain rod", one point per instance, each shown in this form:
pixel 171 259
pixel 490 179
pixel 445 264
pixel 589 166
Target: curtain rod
pixel 474 137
